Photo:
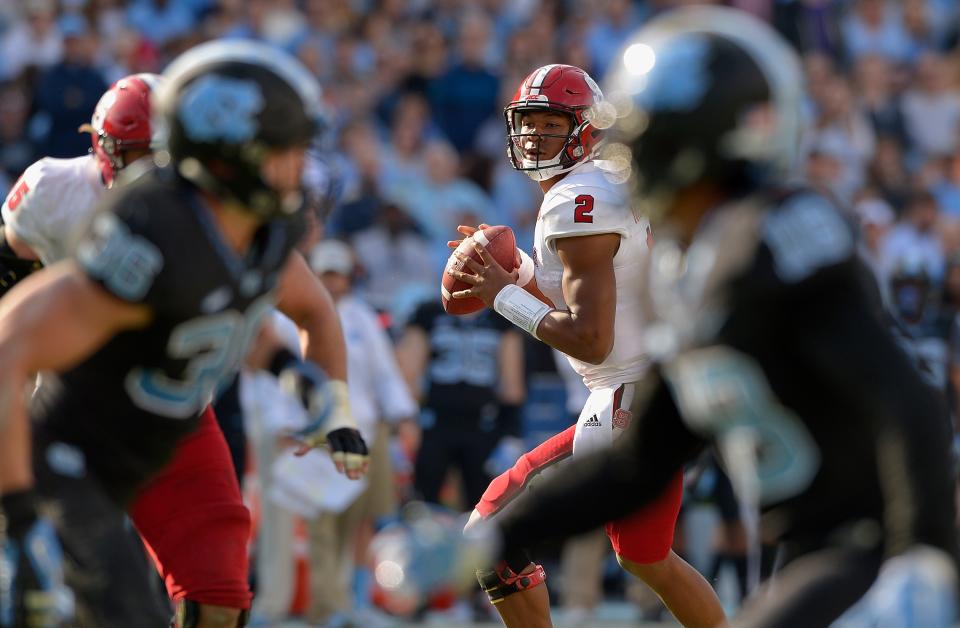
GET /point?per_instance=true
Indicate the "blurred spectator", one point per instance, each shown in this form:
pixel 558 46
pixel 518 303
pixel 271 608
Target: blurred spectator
pixel 916 297
pixel 887 172
pixel 469 372
pixel 403 156
pixel 17 150
pixel 396 258
pixel 917 19
pixel 439 202
pixel 875 218
pixel 465 96
pixel 936 175
pixel 946 188
pixel 613 24
pixel 932 107
pixel 842 131
pixel 67 93
pixel 34 42
pixel 161 21
pixel 810 25
pixel 876 27
pixel 823 172
pixel 430 54
pixel 878 98
pixel 916 239
pixel 378 398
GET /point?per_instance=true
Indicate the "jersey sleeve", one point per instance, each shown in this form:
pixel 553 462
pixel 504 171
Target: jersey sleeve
pixel 585 210
pixel 26 212
pixel 123 253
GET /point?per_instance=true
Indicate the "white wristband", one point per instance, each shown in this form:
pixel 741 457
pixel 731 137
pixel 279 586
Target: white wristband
pixel 341 416
pixel 521 308
pixel 526 268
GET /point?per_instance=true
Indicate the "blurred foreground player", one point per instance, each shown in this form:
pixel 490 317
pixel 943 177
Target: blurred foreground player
pixel 44 216
pixel 766 343
pixel 169 293
pixel 587 254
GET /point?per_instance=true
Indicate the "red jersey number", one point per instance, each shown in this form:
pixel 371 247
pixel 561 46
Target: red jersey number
pixel 583 209
pixel 13 200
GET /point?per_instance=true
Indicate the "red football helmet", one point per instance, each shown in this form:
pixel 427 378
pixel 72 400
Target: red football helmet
pixel 563 88
pixel 121 122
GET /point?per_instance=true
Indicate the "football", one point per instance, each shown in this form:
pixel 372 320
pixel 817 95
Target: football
pixel 500 243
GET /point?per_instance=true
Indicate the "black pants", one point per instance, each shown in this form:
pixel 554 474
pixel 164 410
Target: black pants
pixel 465 449
pixel 106 565
pixel 813 590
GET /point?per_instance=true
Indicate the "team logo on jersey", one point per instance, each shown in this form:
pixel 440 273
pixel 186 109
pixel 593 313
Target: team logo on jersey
pixel 220 108
pixel 621 419
pixel 593 421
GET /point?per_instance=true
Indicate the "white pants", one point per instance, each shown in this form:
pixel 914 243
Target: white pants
pixel 604 418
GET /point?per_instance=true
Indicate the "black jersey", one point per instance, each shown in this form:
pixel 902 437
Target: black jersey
pixel 155 243
pixel 463 370
pixel 763 322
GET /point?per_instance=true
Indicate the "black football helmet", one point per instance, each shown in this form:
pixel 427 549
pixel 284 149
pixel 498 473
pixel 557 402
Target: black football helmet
pixel 224 105
pixel 702 94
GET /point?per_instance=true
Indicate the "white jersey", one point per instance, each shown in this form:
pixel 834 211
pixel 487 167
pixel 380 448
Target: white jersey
pixel 52 203
pixel 583 203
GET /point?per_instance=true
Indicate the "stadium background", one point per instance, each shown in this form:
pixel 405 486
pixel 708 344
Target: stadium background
pixel 415 89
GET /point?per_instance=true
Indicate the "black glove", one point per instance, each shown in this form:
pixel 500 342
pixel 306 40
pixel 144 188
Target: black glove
pixel 349 451
pixel 32 589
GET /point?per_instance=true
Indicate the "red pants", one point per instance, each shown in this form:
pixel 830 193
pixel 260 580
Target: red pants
pixel 194 524
pixel 644 537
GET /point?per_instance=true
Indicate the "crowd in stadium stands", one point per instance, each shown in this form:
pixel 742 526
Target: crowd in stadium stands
pixel 415 143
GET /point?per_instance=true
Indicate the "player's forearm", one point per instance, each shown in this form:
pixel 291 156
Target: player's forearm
pixel 305 301
pixel 15 467
pixel 581 339
pixel 322 339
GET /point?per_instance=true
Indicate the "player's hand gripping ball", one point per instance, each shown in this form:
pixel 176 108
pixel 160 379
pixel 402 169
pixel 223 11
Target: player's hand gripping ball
pixel 500 244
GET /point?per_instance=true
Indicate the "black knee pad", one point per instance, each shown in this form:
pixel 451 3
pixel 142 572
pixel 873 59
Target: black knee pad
pixel 502 581
pixel 188 615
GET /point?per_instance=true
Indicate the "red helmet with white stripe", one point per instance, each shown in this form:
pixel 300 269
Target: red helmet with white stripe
pixel 565 89
pixel 121 122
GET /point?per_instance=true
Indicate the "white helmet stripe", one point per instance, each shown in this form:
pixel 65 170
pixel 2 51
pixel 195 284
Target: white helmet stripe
pixel 541 76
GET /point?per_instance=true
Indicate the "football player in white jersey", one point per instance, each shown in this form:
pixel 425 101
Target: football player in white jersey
pixel 578 293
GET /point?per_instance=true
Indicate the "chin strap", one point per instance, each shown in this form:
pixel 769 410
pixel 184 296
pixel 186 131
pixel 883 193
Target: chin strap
pixel 501 581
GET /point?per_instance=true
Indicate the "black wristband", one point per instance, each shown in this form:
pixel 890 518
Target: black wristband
pixel 509 420
pixel 282 359
pixel 20 511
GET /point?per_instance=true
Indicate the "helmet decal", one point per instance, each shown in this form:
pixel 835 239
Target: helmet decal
pixel 220 108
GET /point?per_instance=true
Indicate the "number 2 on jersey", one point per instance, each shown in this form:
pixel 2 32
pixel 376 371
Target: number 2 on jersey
pixel 21 190
pixel 584 206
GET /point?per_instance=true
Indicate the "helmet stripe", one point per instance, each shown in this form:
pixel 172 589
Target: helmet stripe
pixel 538 80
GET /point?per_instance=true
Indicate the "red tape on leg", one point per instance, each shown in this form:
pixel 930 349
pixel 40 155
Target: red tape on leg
pixel 506 486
